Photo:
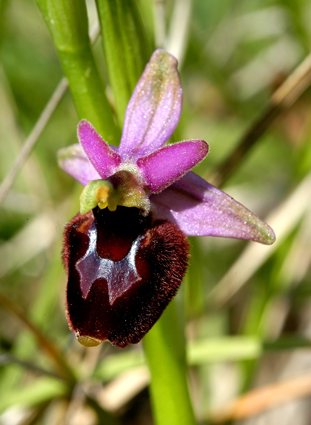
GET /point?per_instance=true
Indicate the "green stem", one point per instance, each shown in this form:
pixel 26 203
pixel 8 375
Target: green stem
pixel 166 355
pixel 68 24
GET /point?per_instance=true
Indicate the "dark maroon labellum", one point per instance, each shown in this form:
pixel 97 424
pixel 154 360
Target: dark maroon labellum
pixel 123 270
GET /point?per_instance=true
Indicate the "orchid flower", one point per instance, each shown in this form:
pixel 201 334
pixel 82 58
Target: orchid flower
pixel 126 252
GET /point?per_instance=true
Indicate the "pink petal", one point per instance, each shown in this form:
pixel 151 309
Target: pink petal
pixel 103 158
pixel 154 108
pixel 201 209
pixel 75 163
pixel 166 165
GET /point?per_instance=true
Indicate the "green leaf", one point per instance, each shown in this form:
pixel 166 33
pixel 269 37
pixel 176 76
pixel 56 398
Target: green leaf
pixel 125 46
pixel 205 351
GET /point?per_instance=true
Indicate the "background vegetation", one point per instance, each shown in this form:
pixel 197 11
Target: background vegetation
pixel 248 323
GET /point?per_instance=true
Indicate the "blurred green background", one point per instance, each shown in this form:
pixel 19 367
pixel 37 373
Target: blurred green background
pixel 248 306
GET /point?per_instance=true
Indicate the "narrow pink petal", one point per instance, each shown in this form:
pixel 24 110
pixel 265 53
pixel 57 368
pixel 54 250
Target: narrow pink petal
pixel 201 209
pixel 75 163
pixel 166 165
pixel 104 159
pixel 154 108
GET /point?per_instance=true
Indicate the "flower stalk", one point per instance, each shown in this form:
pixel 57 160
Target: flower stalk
pixel 68 25
pixel 166 356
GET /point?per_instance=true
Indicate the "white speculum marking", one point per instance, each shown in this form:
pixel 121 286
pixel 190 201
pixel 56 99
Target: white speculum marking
pixel 120 275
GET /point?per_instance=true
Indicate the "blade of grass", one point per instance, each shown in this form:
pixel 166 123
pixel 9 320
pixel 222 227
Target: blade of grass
pixel 261 399
pixel 159 22
pixel 7 358
pixel 283 221
pixel 40 391
pixel 177 39
pixel 20 149
pixel 41 314
pixel 205 351
pixel 125 46
pixel 44 342
pixel 35 133
pixel 282 99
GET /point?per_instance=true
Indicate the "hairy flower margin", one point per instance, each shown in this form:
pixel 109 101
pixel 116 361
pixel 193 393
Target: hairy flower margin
pixel 125 264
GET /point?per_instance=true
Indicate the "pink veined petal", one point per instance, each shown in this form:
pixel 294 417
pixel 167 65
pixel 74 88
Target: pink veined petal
pixel 154 109
pixel 104 159
pixel 201 209
pixel 75 163
pixel 166 165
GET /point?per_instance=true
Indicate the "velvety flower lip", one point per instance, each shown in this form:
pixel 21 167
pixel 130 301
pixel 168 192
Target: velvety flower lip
pixel 180 196
pixel 123 270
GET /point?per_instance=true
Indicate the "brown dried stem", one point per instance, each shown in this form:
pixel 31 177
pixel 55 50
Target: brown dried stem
pixel 261 399
pixel 44 342
pixel 282 99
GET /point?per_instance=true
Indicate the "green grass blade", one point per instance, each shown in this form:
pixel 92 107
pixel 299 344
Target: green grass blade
pixel 125 47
